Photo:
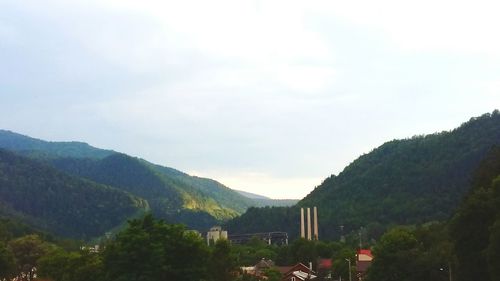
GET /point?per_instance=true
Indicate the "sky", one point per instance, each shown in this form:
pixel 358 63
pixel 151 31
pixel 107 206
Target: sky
pixel 269 97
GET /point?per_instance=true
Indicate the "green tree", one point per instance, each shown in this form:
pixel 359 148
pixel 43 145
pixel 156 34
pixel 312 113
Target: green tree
pixel 303 251
pixel 27 250
pixel 493 251
pixel 340 265
pixel 54 264
pixel 151 250
pixel 394 256
pixel 273 274
pixel 222 265
pixel 60 265
pixel 7 265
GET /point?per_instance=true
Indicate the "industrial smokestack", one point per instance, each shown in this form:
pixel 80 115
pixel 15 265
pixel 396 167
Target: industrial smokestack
pixel 308 223
pixel 302 226
pixel 315 214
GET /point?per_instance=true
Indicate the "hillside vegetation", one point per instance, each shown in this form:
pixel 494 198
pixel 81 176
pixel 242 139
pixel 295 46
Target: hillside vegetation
pixel 406 181
pixel 41 196
pixel 39 148
pixel 171 194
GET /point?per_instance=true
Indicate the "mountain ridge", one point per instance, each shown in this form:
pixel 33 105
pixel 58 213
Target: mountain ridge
pixel 172 195
pixel 409 181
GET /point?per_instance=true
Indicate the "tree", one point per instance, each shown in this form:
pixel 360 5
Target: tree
pixel 222 265
pixel 152 250
pixel 471 225
pixel 493 251
pixel 303 251
pixel 27 250
pixel 60 265
pixel 7 265
pixel 340 265
pixel 273 274
pixel 54 264
pixel 394 256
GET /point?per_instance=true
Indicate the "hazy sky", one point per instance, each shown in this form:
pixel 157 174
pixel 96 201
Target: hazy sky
pixel 267 96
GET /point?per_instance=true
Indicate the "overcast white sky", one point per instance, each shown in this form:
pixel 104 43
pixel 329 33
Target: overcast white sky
pixel 268 96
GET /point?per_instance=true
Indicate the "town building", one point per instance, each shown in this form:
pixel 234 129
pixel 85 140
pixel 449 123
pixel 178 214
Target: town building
pixel 364 259
pixel 215 233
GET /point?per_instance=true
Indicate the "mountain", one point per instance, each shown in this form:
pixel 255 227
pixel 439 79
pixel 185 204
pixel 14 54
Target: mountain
pixel 41 196
pixel 263 201
pixel 171 194
pixel 407 181
pixel 251 195
pixel 34 147
pixel 475 227
pixel 175 196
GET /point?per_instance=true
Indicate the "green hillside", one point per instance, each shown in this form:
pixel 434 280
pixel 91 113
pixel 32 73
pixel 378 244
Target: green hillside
pixel 173 195
pixel 50 200
pixel 177 197
pixel 406 181
pixel 39 148
pixel 475 227
pixel 263 201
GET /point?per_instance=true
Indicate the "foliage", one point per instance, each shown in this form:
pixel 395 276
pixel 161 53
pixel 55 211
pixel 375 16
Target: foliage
pixel 403 254
pixel 153 250
pixel 60 265
pixel 340 265
pixel 474 227
pixel 410 181
pixel 48 199
pixel 273 274
pixel 172 195
pixel 222 264
pixel 7 263
pixel 304 251
pixel 493 251
pixel 40 148
pixel 26 251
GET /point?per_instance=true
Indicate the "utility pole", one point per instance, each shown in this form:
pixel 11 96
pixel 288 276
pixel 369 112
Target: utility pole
pixel 349 261
pixel 449 270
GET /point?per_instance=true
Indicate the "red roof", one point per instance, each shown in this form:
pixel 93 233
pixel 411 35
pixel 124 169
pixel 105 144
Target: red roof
pixel 365 252
pixel 325 263
pixel 285 270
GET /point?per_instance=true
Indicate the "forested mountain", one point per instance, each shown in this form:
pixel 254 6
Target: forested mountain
pixel 408 181
pixel 35 147
pixel 41 196
pixel 475 228
pixel 263 201
pixel 173 195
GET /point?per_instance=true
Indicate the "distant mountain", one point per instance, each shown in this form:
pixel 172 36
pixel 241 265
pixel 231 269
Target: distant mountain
pixel 263 201
pixel 408 181
pixel 34 147
pixel 251 195
pixel 199 203
pixel 173 195
pixel 41 196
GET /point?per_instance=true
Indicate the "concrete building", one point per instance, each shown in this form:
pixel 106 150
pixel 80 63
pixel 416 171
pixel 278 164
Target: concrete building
pixel 215 233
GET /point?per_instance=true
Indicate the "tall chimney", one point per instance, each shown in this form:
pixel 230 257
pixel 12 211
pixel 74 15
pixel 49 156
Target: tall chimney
pixel 308 223
pixel 315 211
pixel 302 226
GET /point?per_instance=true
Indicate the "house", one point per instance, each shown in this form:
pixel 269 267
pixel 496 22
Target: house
pixel 263 264
pixel 298 272
pixel 259 269
pixel 364 259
